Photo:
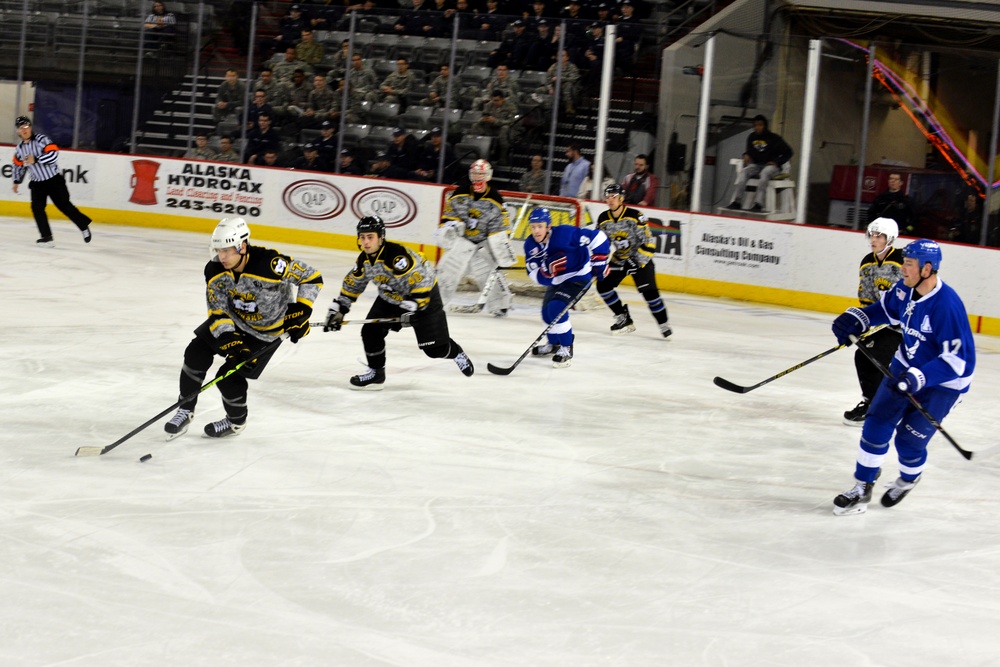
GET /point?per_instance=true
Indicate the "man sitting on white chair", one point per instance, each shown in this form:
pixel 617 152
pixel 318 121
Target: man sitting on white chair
pixel 765 154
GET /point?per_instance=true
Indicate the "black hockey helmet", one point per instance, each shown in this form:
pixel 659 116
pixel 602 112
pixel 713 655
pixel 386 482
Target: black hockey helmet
pixel 21 121
pixel 614 190
pixel 371 223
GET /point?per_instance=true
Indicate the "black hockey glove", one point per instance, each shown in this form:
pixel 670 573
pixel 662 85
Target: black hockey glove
pixel 297 321
pixel 235 347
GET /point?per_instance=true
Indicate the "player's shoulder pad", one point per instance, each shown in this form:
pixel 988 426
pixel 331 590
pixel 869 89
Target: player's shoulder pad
pixel 212 269
pixel 266 262
pixel 399 260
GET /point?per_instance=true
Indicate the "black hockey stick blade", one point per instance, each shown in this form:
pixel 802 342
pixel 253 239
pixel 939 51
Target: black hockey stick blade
pixel 730 386
pixel 100 451
pixel 497 370
pixel 966 454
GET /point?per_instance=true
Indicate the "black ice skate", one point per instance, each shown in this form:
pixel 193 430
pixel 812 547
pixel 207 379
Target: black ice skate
pixel 623 324
pixel 898 491
pixel 563 356
pixel 45 242
pixel 178 424
pixel 856 417
pixel 86 234
pixel 371 379
pixel 666 330
pixel 465 364
pixel 855 500
pixel 223 428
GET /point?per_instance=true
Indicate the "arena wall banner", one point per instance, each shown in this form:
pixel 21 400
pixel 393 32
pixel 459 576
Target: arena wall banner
pixel 785 264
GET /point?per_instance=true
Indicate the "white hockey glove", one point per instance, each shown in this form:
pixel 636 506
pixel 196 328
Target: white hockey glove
pixel 335 316
pixel 449 232
pixel 410 314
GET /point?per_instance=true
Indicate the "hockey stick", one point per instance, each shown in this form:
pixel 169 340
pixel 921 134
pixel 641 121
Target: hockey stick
pixel 377 320
pixel 501 370
pixel 100 451
pixel 739 389
pixel 926 415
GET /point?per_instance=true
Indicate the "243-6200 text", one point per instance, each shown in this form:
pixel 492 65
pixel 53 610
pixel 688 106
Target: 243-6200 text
pixel 216 207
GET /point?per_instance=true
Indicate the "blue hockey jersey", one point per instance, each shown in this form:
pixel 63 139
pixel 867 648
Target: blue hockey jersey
pixel 937 338
pixel 585 252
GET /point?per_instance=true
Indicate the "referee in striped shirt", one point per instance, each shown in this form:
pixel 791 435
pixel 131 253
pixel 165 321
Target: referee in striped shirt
pixel 37 156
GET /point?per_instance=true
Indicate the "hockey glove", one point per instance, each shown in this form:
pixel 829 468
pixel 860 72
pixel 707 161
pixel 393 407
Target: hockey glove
pixel 235 347
pixel 911 381
pixel 410 313
pixel 297 321
pixel 335 316
pixel 631 265
pixel 852 322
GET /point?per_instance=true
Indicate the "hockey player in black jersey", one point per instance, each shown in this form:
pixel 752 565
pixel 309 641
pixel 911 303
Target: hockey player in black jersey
pixel 407 289
pixel 249 292
pixel 631 255
pixel 880 270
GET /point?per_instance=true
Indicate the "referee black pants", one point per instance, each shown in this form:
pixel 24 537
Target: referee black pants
pixel 54 189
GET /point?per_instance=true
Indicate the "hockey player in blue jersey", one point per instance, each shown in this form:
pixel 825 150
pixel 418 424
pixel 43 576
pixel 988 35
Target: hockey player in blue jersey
pixel 564 258
pixel 934 363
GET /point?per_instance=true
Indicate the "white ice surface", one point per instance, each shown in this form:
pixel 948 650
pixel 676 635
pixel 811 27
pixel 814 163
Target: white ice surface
pixel 624 511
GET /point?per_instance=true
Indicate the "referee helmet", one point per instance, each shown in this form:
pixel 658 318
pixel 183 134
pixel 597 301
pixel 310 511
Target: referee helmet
pixel 21 121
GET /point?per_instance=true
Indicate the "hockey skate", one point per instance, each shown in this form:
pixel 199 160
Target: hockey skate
pixel 223 428
pixel 666 330
pixel 623 324
pixel 465 364
pixel 371 380
pixel 45 242
pixel 86 234
pixel 856 417
pixel 854 500
pixel 499 312
pixel 178 424
pixel 897 492
pixel 563 356
pixel 472 308
pixel 542 350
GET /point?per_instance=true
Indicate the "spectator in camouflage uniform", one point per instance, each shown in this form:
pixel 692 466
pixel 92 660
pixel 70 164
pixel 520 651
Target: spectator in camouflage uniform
pixel 227 154
pixel 338 70
pixel 533 180
pixel 499 81
pixel 309 50
pixel 229 98
pixel 277 93
pixel 322 105
pixel 285 70
pixel 201 150
pixel 569 90
pixel 438 91
pixel 298 95
pixel 397 85
pixel 498 116
pixel 362 82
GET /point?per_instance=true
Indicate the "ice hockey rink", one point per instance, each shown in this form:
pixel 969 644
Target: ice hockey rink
pixel 624 511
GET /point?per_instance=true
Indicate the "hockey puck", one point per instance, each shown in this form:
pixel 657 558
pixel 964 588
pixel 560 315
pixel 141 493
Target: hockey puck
pixel 145 458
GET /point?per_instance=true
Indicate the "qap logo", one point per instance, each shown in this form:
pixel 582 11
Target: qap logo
pixel 314 200
pixel 143 182
pixel 394 207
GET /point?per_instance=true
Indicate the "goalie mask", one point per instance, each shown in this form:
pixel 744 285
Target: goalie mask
pixel 229 233
pixel 480 174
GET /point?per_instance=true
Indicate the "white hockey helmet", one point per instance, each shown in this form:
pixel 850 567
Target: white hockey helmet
pixel 230 233
pixel 481 171
pixel 885 226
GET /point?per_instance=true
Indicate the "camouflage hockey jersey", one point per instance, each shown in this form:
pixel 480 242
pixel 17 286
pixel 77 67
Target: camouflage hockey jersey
pixel 255 300
pixel 482 212
pixel 878 276
pixel 399 273
pixel 629 234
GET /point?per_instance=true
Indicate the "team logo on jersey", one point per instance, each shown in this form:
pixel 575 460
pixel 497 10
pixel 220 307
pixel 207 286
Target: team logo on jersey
pixel 401 263
pixel 279 266
pixel 909 308
pixel 245 306
pixel 912 350
pixel 925 325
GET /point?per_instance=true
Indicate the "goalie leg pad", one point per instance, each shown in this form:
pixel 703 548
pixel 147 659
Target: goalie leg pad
pixel 500 297
pixel 453 266
pixel 502 251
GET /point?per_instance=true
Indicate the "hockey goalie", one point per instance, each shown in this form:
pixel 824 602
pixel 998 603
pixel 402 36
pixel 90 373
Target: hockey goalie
pixel 475 234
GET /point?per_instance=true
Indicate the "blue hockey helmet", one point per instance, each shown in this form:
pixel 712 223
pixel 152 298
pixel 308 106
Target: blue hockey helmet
pixel 924 251
pixel 540 214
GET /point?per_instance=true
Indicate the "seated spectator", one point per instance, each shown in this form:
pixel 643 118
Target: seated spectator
pixel 310 160
pixel 349 165
pixel 533 180
pixel 328 141
pixel 261 139
pixel 763 158
pixel 542 51
pixel 381 166
pixel 641 185
pixel 227 153
pixel 298 95
pixel 272 158
pixel 289 30
pixel 403 152
pixel 418 22
pixel 514 48
pixel 569 89
pixel 308 50
pixel 323 104
pixel 430 158
pixel 284 70
pixel 338 70
pixel 438 91
pixel 160 26
pixel 488 25
pixel 229 98
pixel 498 116
pixel 502 81
pixel 397 85
pixel 364 86
pixel 586 189
pixel 201 150
pixel 258 105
